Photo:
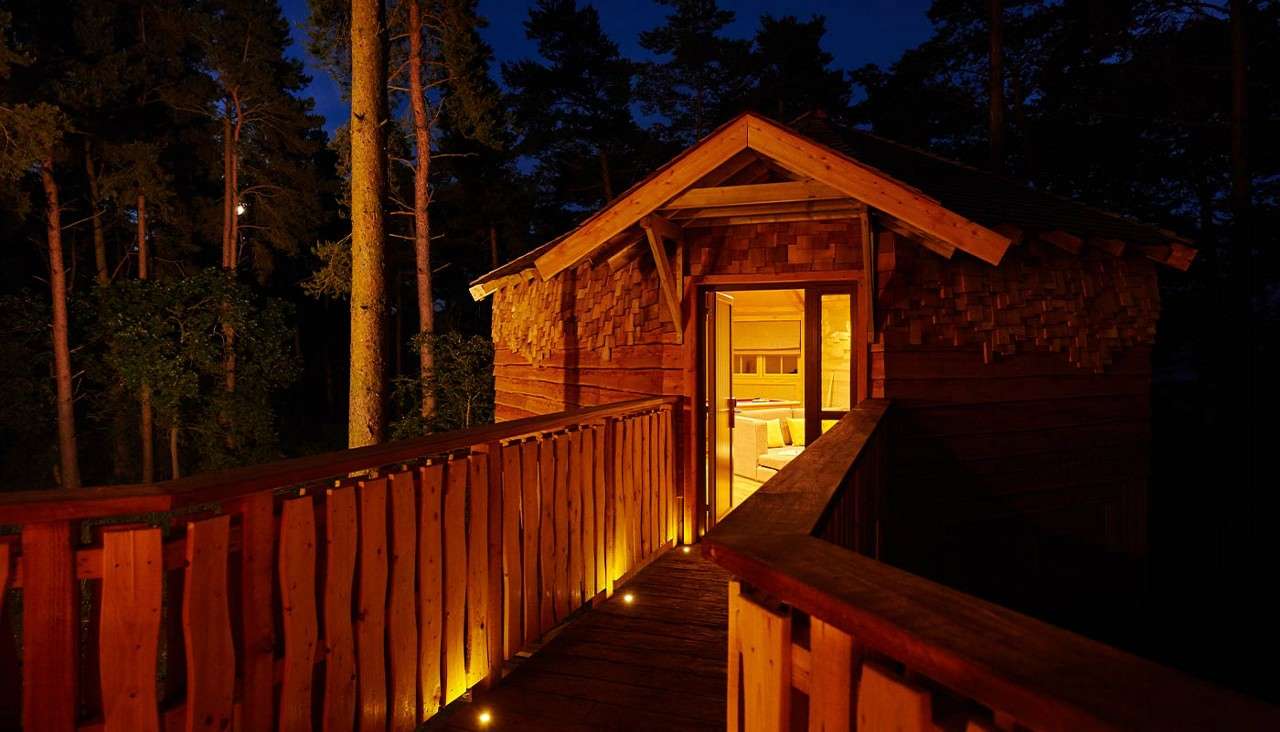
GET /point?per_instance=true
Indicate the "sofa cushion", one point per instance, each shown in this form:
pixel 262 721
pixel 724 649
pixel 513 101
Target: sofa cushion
pixel 773 433
pixel 795 425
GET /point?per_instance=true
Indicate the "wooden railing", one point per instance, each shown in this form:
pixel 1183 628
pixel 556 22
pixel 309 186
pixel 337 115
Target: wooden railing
pixel 291 596
pixel 825 638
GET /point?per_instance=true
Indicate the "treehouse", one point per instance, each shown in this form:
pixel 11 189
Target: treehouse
pixel 777 426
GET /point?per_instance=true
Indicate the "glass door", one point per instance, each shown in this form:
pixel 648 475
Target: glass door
pixel 829 357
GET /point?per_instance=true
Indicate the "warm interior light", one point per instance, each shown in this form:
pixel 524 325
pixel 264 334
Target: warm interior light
pixel 628 598
pixel 485 717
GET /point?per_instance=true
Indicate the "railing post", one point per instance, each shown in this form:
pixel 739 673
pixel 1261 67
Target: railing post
pixel 608 433
pixel 257 638
pixel 50 627
pixel 493 622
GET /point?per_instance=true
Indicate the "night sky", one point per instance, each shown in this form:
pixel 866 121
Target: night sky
pixel 875 31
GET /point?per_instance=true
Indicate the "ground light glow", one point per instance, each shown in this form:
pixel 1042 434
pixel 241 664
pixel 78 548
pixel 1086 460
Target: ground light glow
pixel 628 598
pixel 485 718
pixel 685 549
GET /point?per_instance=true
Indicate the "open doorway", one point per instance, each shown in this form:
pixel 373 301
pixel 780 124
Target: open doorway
pixel 779 370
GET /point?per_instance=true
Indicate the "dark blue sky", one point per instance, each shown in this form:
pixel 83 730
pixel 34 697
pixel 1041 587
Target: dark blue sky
pixel 871 31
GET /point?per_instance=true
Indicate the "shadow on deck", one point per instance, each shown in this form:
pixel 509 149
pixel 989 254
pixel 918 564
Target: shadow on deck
pixel 655 664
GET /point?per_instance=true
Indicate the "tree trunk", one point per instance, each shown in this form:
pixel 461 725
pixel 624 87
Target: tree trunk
pixel 365 420
pixel 99 238
pixel 421 216
pixel 995 87
pixel 493 246
pixel 70 464
pixel 228 211
pixel 146 428
pixel 175 465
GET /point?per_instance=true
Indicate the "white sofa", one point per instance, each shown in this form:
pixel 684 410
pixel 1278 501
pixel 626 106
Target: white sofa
pixel 752 456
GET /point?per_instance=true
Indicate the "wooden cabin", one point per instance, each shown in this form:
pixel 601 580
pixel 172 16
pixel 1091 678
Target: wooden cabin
pixel 1011 328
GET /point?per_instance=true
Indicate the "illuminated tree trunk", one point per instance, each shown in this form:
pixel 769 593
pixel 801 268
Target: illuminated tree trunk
pixel 368 286
pixel 69 463
pixel 995 85
pixel 421 216
pixel 99 238
pixel 175 467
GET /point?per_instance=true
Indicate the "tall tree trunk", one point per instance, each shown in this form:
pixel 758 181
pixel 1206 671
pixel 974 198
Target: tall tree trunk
pixel 228 210
pixel 995 86
pixel 175 465
pixel 99 238
pixel 421 216
pixel 69 463
pixel 146 426
pixel 365 419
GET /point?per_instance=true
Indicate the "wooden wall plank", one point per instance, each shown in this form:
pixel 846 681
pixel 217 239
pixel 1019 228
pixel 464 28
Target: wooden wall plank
pixel 560 501
pixel 430 586
pixel 340 530
pixel 636 494
pixel 455 579
pixel 512 563
pixel 371 603
pixel 765 641
pixel 733 693
pixel 129 642
pixel 257 619
pixel 652 461
pixel 402 620
pixel 49 629
pixel 206 625
pixel 888 703
pixel 478 571
pixel 531 509
pixel 298 608
pixel 831 678
pixel 587 474
pixel 573 494
pixel 547 543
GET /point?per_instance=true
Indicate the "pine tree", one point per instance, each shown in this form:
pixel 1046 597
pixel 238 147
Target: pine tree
pixel 703 78
pixel 792 72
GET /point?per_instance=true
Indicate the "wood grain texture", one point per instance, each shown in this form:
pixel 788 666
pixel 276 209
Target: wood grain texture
pixel 886 702
pixel 341 529
pixel 371 607
pixel 50 613
pixel 402 614
pixel 547 533
pixel 431 588
pixel 206 626
pixel 129 642
pixel 764 640
pixel 297 574
pixel 573 495
pixel 831 678
pixel 598 487
pixel 478 571
pixel 495 604
pixel 560 521
pixel 531 510
pixel 455 579
pixel 586 463
pixel 512 563
pixel 257 621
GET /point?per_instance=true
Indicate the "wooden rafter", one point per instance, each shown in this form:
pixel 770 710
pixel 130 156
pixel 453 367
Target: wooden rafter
pixel 760 193
pixel 937 246
pixel 1064 241
pixel 843 212
pixel 838 204
pixel 656 229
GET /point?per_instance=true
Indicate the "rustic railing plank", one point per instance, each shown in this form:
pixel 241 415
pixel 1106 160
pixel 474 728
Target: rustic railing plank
pixel 257 636
pixel 478 571
pixel 587 473
pixel 298 607
pixel 888 703
pixel 547 542
pixel 455 579
pixel 50 610
pixel 430 586
pixel 531 508
pixel 598 486
pixel 574 500
pixel 764 644
pixel 831 678
pixel 371 603
pixel 560 503
pixel 341 537
pixel 128 650
pixel 402 615
pixel 512 565
pixel 206 625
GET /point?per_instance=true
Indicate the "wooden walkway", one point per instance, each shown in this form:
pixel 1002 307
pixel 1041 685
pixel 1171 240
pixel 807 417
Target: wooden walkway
pixel 655 664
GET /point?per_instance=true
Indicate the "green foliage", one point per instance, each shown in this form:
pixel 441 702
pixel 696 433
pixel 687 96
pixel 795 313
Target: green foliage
pixel 332 276
pixel 462 381
pixel 171 334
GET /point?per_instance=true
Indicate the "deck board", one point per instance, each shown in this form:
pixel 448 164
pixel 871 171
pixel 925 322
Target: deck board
pixel 657 664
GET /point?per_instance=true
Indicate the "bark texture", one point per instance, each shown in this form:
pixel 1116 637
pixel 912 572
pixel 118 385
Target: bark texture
pixel 421 202
pixel 69 464
pixel 368 286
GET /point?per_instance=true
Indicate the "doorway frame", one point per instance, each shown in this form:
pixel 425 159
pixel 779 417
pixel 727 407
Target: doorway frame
pixel 697 516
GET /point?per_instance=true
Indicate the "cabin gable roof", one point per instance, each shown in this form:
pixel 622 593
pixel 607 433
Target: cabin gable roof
pixel 753 169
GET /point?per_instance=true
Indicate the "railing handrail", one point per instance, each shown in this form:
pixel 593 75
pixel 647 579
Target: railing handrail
pixel 36 506
pixel 1044 676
